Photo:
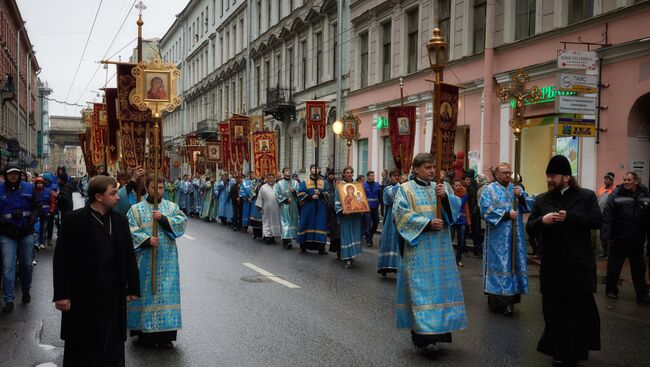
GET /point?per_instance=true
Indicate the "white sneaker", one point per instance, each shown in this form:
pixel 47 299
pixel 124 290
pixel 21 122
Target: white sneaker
pixel 42 246
pixel 33 262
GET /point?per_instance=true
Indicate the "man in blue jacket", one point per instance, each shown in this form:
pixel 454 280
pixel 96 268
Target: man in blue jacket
pixel 372 193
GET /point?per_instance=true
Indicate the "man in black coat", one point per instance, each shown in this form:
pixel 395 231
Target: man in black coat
pixel 626 224
pixel 95 274
pixel 564 218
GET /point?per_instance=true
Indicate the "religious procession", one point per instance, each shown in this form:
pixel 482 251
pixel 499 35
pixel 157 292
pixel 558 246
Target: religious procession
pixel 324 183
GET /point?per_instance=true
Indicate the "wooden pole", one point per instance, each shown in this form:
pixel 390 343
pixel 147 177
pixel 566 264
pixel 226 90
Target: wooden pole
pixel 438 136
pixel 515 200
pixel 154 230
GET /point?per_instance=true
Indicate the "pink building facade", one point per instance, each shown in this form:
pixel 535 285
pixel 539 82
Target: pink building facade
pixel 490 40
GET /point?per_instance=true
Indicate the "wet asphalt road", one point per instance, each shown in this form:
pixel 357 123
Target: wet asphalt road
pixel 234 317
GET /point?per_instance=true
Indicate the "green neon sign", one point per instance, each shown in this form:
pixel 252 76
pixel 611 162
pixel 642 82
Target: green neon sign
pixel 382 122
pixel 548 95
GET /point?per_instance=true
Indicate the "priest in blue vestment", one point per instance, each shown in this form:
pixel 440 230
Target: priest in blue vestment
pixel 351 225
pixel 185 190
pixel 505 276
pixel 224 211
pixel 389 244
pixel 286 191
pixel 155 318
pixel 312 233
pixel 429 294
pixel 245 193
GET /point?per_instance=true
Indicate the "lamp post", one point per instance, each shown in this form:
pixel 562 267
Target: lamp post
pixel 437 50
pixel 337 128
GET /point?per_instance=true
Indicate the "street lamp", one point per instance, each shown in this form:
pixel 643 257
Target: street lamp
pixel 337 127
pixel 437 50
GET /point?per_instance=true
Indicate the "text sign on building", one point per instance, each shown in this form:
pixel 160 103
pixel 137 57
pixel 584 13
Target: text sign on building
pixel 578 83
pixel 572 59
pixel 575 127
pixel 575 105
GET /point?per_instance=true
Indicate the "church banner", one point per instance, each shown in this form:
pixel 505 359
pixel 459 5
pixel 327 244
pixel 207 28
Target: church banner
pixel 224 133
pixel 401 127
pixel 112 124
pixel 134 124
pixel 83 142
pixel 316 124
pixel 97 135
pixel 447 116
pixel 264 149
pixel 239 150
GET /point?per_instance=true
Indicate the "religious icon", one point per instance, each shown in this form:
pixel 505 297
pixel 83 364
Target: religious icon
pixel 264 145
pixel 239 132
pixel 403 124
pixel 353 197
pixel 157 85
pixel 446 111
pixel 315 114
pixel 103 118
pixel 214 153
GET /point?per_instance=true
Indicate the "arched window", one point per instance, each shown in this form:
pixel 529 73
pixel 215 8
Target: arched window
pixel 278 145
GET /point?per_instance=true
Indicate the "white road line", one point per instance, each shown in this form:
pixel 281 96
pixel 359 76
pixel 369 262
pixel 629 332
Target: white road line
pixel 270 276
pixel 189 237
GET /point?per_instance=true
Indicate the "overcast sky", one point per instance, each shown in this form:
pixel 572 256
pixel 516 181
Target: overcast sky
pixel 58 29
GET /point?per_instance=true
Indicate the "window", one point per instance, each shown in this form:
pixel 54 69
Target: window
pixel 227 4
pixel 385 54
pixel 227 46
pixel 214 11
pixel 580 10
pixel 235 45
pixel 227 98
pixel 479 25
pixel 319 57
pixel 202 24
pixel 363 57
pixel 258 85
pixel 444 22
pixel 222 50
pixel 362 150
pixel 241 95
pixel 303 64
pixel 222 7
pixel 278 67
pixel 279 2
pixel 291 65
pixel 259 18
pixel 267 73
pixel 268 14
pixel 241 34
pixel 412 41
pixel 525 19
pixel 389 163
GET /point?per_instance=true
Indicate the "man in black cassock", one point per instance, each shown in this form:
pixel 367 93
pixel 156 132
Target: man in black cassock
pixel 564 217
pixel 95 274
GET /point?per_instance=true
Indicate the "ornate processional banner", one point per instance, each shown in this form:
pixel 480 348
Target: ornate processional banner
pixel 401 127
pixel 113 124
pixel 239 151
pixel 224 133
pixel 264 149
pixel 97 132
pixel 447 116
pixel 315 119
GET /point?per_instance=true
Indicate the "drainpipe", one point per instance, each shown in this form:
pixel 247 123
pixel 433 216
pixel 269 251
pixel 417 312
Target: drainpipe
pixel 339 68
pixel 489 129
pixel 18 78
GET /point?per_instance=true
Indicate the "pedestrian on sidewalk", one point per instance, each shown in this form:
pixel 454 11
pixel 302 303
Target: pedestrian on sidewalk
pixel 351 225
pixel 268 206
pixel 472 186
pixel 18 211
pixel 564 217
pixel 312 196
pixel 95 275
pixel 603 193
pixel 505 276
pixel 225 205
pixel 47 206
pixel 371 218
pixel 156 317
pixel 429 294
pixel 462 221
pixel 286 193
pixel 389 243
pixel 626 221
pixel 333 226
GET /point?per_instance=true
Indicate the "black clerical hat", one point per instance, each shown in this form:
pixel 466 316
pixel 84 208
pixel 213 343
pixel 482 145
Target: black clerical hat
pixel 559 165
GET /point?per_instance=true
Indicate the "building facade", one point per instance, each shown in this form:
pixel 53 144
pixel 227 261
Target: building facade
pixel 488 41
pixel 18 68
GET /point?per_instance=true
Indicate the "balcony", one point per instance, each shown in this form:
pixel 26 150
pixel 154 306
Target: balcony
pixel 207 128
pixel 279 103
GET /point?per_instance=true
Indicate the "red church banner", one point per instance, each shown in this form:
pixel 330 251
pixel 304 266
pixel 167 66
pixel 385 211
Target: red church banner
pixel 224 133
pixel 401 127
pixel 264 149
pixel 316 123
pixel 446 115
pixel 112 124
pixel 239 130
pixel 97 132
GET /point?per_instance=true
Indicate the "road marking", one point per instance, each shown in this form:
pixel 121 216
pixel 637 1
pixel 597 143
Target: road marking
pixel 189 237
pixel 270 276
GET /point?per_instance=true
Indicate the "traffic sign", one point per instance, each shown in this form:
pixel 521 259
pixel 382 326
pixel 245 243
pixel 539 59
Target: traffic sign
pixel 575 127
pixel 572 59
pixel 575 105
pixel 577 83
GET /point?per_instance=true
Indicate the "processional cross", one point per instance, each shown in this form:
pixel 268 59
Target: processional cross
pixel 516 90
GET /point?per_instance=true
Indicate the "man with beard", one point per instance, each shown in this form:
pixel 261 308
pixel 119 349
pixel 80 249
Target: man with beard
pixel 286 191
pixel 564 218
pixel 505 276
pixel 312 195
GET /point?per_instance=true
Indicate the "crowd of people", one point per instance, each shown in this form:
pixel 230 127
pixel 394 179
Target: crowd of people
pixel 129 225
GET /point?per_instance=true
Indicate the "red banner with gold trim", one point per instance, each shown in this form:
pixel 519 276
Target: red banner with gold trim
pixel 224 133
pixel 401 127
pixel 447 116
pixel 239 130
pixel 315 119
pixel 85 150
pixel 264 154
pixel 113 125
pixel 97 132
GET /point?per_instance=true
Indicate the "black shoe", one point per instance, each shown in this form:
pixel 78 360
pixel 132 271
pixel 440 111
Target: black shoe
pixel 322 252
pixel 9 307
pixel 26 298
pixel 289 246
pixel 167 345
pixel 612 295
pixel 645 298
pixel 509 310
pixel 303 250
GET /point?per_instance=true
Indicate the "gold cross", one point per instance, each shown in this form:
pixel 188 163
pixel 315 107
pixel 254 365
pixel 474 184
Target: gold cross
pixel 516 90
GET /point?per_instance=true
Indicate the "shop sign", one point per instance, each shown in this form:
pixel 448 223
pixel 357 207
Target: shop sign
pixel 573 59
pixel 382 122
pixel 575 105
pixel 578 83
pixel 639 167
pixel 575 127
pixel 548 95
